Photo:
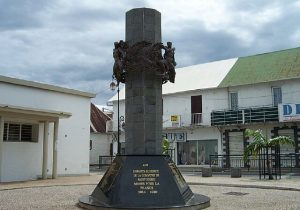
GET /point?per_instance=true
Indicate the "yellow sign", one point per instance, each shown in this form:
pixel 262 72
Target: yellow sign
pixel 174 118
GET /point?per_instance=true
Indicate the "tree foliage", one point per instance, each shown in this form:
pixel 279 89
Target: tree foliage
pixel 260 141
pixel 165 146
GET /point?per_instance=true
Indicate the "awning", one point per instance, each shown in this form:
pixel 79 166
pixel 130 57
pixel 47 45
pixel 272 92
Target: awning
pixel 33 112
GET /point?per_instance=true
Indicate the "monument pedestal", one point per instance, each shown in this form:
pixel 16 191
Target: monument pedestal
pixel 143 182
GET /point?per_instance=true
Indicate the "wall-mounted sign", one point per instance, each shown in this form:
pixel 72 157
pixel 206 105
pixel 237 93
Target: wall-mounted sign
pixel 178 137
pixel 289 112
pixel 175 120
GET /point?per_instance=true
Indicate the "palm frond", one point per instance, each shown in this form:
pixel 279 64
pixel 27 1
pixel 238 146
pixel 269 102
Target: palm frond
pixel 255 134
pixel 260 142
pixel 253 148
pixel 280 140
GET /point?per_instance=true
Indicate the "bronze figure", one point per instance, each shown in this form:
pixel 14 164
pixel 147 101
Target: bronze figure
pixel 144 54
pixel 169 60
pixel 119 55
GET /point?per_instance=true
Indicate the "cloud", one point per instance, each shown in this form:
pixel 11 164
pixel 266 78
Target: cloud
pixel 21 15
pixel 70 43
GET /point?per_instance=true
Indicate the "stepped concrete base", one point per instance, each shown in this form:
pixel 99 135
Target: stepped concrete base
pixel 143 182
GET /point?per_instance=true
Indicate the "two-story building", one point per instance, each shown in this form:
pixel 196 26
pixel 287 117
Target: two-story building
pixel 208 108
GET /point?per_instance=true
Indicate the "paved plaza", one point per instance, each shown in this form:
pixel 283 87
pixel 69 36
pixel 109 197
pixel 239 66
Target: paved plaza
pixel 247 192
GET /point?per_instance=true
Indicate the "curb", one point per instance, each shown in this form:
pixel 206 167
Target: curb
pixel 246 186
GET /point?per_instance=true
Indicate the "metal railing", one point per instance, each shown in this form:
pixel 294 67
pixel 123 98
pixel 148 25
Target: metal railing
pixel 106 160
pixel 171 153
pixel 244 115
pixel 288 161
pixel 196 118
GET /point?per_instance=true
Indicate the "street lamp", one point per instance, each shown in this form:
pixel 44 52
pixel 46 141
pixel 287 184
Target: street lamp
pixel 113 86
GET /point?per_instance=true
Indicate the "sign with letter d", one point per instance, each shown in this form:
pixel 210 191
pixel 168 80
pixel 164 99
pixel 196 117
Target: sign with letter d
pixel 289 112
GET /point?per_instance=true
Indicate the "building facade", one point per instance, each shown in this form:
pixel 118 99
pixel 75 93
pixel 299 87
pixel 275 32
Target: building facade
pixel 210 105
pixel 101 137
pixel 44 130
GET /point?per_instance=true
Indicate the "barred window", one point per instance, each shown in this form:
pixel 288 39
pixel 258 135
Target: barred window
pixel 24 132
pixel 277 96
pixel 233 101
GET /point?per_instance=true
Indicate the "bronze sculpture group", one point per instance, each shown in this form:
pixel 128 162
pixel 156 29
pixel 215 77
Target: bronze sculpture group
pixel 129 57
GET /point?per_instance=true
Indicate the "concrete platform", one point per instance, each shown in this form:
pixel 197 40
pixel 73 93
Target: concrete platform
pixel 247 192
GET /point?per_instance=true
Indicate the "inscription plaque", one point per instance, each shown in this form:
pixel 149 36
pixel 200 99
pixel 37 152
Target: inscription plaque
pixel 146 180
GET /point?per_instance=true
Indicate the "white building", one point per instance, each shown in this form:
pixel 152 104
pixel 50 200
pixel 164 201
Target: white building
pixel 44 130
pixel 208 108
pixel 101 138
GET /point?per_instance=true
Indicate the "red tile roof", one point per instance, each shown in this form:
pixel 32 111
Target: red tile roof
pixel 98 120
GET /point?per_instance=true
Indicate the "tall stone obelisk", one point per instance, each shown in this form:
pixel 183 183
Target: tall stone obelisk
pixel 143 178
pixel 143 109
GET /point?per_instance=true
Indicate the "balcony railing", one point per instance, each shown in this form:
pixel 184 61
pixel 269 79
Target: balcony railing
pixel 196 118
pixel 245 115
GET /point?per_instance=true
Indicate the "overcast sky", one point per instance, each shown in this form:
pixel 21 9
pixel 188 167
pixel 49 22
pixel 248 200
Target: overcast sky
pixel 69 42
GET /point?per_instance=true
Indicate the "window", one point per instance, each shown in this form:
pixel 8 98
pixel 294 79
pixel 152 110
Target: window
pixel 196 109
pixel 233 101
pixel 277 96
pixel 196 152
pixel 14 131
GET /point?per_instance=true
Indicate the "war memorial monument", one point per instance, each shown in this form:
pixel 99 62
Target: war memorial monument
pixel 143 178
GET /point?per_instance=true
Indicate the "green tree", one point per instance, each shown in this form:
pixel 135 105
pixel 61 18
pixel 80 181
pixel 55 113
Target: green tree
pixel 165 146
pixel 260 142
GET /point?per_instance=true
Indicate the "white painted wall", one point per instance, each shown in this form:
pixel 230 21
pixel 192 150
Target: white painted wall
pixel 22 160
pixel 100 146
pixel 177 104
pixel 253 95
pixel 73 138
pixel 261 94
pixel 180 104
pixel 290 91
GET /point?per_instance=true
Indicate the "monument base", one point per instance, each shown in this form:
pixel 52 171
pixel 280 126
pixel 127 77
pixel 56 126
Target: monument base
pixel 143 182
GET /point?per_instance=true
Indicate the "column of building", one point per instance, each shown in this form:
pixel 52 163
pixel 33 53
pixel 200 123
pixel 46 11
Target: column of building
pixel 46 150
pixel 1 144
pixel 55 142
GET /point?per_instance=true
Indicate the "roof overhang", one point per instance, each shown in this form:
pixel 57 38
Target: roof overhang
pixel 43 86
pixel 33 112
pixel 200 77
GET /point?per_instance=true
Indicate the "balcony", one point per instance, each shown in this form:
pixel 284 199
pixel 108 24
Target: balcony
pixel 244 116
pixel 183 120
pixel 196 118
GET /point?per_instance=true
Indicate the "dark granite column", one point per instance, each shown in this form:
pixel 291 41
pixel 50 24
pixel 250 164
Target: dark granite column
pixel 143 88
pixel 144 178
